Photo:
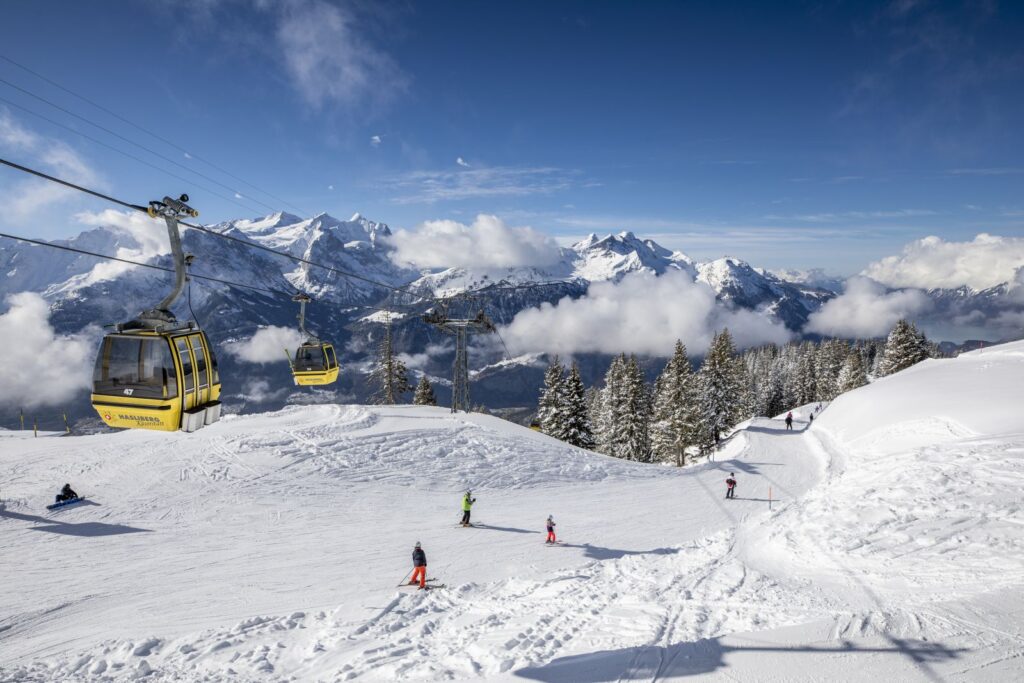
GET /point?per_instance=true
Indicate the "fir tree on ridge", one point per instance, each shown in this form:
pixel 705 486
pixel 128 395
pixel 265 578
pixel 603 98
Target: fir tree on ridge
pixel 389 372
pixel 905 346
pixel 424 395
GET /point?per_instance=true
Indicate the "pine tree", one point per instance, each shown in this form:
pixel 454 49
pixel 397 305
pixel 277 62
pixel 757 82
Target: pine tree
pixel 424 395
pixel 577 428
pixel 905 346
pixel 389 373
pixel 853 375
pixel 551 406
pixel 805 379
pixel 635 418
pixel 676 409
pixel 828 361
pixel 610 406
pixel 722 389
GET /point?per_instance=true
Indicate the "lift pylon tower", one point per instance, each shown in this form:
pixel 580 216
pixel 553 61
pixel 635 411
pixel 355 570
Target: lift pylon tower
pixel 460 328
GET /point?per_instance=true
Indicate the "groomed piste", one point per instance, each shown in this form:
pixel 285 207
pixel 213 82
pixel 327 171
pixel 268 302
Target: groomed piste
pixel 270 547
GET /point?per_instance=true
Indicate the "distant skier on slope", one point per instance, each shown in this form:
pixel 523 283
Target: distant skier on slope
pixel 66 493
pixel 467 504
pixel 812 420
pixel 551 530
pixel 730 486
pixel 419 563
pixel 789 421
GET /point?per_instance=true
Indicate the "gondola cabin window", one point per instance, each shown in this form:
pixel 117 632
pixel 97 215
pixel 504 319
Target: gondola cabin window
pixel 309 358
pixel 141 368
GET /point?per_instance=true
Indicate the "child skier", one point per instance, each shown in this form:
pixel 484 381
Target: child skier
pixel 789 421
pixel 551 530
pixel 66 493
pixel 419 563
pixel 467 504
pixel 730 486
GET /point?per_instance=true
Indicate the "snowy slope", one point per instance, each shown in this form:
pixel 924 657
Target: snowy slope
pixel 270 546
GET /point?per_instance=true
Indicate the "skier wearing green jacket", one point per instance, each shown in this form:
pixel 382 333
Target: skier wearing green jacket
pixel 467 504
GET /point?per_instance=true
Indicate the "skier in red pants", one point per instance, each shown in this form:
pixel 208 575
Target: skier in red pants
pixel 551 530
pixel 419 562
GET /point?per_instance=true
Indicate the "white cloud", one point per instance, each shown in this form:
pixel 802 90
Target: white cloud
pixel 643 314
pixel 329 59
pixel 487 243
pixel 461 162
pixel 330 187
pixel 866 309
pixel 427 187
pixel 23 200
pixel 260 391
pixel 29 376
pixel 148 240
pixel 268 345
pixel 931 262
pixel 376 140
pixel 853 216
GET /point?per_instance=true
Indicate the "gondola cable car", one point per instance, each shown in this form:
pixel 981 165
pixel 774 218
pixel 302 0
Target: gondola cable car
pixel 315 362
pixel 156 372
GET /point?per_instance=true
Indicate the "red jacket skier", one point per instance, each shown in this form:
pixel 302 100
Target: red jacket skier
pixel 730 486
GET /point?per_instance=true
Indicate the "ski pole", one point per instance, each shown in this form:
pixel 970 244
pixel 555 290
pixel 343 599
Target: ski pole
pixel 408 574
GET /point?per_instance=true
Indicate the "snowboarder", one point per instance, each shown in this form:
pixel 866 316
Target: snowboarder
pixel 789 421
pixel 419 563
pixel 551 530
pixel 66 493
pixel 730 486
pixel 467 504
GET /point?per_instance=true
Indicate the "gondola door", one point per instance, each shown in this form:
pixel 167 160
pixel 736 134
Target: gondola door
pixel 203 384
pixel 188 384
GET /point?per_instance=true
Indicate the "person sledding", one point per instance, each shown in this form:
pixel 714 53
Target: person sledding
pixel 419 563
pixel 467 505
pixel 730 486
pixel 789 421
pixel 66 494
pixel 551 530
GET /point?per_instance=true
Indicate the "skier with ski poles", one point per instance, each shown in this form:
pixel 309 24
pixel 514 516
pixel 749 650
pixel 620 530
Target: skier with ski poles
pixel 730 486
pixel 789 421
pixel 467 505
pixel 551 530
pixel 419 563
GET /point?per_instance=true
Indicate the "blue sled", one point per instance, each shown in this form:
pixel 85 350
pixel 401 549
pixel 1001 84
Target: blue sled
pixel 65 503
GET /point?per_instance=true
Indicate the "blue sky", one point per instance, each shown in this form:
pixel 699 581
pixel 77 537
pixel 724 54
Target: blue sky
pixel 811 134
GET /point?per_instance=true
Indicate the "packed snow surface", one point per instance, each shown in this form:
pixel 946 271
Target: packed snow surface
pixel 270 547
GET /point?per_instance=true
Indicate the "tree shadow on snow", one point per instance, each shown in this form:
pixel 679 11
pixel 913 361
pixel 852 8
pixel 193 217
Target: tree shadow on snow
pixel 596 552
pixel 55 526
pixel 703 657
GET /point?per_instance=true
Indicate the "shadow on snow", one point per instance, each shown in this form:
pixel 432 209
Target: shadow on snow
pixel 705 656
pixel 55 526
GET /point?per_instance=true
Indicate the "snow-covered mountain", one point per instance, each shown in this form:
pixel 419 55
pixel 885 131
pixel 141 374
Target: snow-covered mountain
pixel 83 291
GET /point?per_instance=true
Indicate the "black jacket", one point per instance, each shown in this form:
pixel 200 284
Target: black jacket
pixel 419 558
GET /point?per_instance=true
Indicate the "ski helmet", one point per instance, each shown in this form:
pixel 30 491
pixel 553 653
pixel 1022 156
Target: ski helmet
pixel 417 544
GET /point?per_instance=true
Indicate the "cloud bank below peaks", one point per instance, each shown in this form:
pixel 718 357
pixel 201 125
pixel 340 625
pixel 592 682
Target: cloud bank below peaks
pixel 643 314
pixel 866 309
pixel 268 345
pixel 932 262
pixel 29 376
pixel 486 243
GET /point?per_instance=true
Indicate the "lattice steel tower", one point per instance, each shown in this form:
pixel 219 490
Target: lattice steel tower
pixel 460 328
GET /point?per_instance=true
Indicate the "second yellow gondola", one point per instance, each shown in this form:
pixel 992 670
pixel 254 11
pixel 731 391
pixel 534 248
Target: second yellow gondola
pixel 315 362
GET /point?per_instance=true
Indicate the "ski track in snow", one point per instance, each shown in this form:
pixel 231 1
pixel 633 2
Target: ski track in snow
pixel 268 548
